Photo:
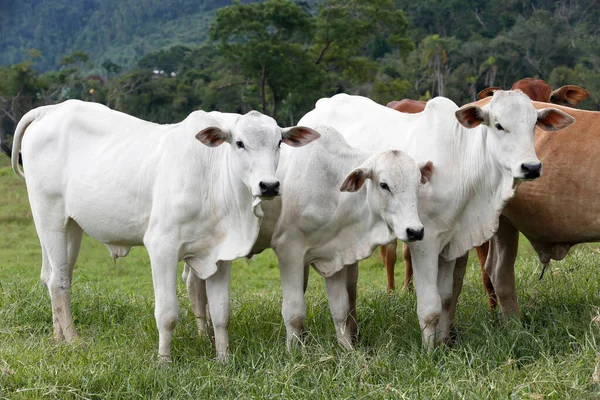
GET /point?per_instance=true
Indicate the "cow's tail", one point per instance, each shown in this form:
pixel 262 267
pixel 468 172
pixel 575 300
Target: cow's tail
pixel 18 138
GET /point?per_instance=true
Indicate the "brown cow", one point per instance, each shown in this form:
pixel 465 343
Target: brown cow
pixel 537 90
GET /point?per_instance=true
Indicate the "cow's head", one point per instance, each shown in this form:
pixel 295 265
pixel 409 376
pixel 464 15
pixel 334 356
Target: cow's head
pixel 394 189
pixel 255 140
pixel 510 119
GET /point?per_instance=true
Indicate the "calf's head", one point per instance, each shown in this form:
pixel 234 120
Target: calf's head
pixel 393 191
pixel 255 140
pixel 510 120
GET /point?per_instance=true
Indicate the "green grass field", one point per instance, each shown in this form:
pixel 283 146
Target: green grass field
pixel 553 351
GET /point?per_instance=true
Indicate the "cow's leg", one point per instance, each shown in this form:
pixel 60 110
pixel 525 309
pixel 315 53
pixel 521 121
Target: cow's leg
pixel 500 265
pixel 339 304
pixel 482 254
pixel 292 275
pixel 408 271
pixel 306 273
pixel 217 289
pixel 460 267
pixel 60 246
pixel 163 260
pixel 389 261
pixel 429 307
pixel 445 288
pixel 352 285
pixel 196 288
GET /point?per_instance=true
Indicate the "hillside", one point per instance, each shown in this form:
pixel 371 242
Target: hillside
pixel 120 30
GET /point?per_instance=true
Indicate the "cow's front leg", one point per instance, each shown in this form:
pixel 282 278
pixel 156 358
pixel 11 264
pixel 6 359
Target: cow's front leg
pixel 500 265
pixel 217 290
pixel 163 260
pixel 460 267
pixel 339 304
pixel 196 288
pixel 352 285
pixel 424 256
pixel 445 290
pixel 293 308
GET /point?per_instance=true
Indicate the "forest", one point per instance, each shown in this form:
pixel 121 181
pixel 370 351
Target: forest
pixel 162 60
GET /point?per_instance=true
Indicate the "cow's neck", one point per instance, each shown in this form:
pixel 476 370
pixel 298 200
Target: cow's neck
pixel 485 189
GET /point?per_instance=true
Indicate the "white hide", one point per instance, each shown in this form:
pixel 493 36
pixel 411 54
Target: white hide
pixel 338 228
pixel 129 182
pixel 475 173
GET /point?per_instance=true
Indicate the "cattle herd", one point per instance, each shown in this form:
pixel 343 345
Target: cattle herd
pixel 353 175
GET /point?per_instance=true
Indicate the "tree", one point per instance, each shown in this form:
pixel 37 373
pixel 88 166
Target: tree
pixel 268 42
pixel 351 35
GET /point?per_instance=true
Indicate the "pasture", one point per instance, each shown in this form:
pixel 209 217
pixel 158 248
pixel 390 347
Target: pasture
pixel 553 351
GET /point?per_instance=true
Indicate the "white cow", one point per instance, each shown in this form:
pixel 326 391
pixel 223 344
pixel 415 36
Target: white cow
pixel 129 182
pixel 476 172
pixel 317 222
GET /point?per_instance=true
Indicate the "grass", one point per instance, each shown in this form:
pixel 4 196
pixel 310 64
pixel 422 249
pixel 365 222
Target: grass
pixel 551 352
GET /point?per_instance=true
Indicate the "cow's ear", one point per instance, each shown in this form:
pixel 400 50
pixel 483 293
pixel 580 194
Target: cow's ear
pixel 297 136
pixel 552 119
pixel 213 136
pixel 569 95
pixel 487 92
pixel 426 168
pixel 471 116
pixel 355 180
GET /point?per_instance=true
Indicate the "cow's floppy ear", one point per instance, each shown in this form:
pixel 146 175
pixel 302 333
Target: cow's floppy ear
pixel 213 136
pixel 356 179
pixel 552 119
pixel 487 92
pixel 471 116
pixel 569 95
pixel 297 136
pixel 426 168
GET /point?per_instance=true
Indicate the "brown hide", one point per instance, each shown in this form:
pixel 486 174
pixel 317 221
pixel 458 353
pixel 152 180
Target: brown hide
pixel 407 106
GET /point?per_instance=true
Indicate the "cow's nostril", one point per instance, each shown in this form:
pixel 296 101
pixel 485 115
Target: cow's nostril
pixel 532 171
pixel 269 188
pixel 415 234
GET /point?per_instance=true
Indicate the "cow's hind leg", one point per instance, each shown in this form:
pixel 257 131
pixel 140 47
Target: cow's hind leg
pixel 60 247
pixel 196 288
pixel 217 289
pixel 339 303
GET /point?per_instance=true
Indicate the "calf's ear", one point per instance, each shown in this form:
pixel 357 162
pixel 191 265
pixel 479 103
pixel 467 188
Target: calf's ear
pixel 552 119
pixel 487 92
pixel 426 168
pixel 471 116
pixel 298 136
pixel 569 95
pixel 213 136
pixel 355 180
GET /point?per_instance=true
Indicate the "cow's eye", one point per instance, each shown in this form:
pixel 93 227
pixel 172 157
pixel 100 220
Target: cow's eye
pixel 384 186
pixel 279 145
pixel 499 127
pixel 240 144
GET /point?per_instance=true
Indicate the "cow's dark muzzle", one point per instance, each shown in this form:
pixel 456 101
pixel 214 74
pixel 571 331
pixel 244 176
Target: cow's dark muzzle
pixel 532 171
pixel 269 189
pixel 415 234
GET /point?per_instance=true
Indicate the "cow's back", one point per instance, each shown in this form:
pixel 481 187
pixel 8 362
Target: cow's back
pixel 561 206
